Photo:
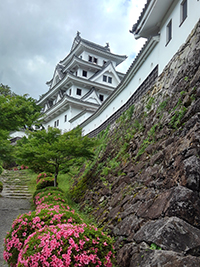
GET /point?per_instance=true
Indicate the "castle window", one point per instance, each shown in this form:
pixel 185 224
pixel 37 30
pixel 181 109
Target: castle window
pixel 95 60
pixel 65 119
pixel 169 32
pixel 84 73
pixel 104 62
pixel 183 11
pixel 104 78
pixel 70 91
pixel 101 97
pixel 92 59
pixel 57 123
pixel 110 79
pixel 78 91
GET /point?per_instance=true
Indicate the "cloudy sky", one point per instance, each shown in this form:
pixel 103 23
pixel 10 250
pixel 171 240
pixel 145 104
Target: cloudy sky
pixel 36 34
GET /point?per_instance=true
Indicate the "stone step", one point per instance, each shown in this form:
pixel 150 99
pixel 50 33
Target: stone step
pixel 16 194
pixel 25 188
pixel 17 197
pixel 15 185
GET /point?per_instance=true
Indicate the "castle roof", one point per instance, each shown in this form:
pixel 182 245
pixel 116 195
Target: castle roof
pixel 80 43
pixel 149 21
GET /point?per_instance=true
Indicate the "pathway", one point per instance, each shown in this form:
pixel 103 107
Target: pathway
pixel 14 200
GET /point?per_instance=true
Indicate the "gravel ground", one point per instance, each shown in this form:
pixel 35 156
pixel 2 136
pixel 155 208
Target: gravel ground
pixel 14 200
pixel 10 208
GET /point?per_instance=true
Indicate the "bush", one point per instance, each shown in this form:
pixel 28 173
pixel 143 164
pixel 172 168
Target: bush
pixel 1 169
pixel 45 182
pixel 28 223
pixel 48 189
pixel 67 245
pixel 49 196
pixel 43 175
pixel 1 186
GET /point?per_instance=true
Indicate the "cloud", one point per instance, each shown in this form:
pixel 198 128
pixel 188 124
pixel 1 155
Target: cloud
pixel 36 35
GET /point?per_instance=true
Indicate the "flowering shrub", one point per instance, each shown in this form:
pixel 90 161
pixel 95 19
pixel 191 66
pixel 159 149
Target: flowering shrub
pixel 67 245
pixel 43 175
pixel 28 223
pixel 45 182
pixel 48 189
pixel 54 235
pixel 51 196
pixel 1 186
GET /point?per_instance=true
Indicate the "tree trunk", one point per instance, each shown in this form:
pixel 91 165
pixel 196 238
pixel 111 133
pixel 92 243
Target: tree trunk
pixel 55 177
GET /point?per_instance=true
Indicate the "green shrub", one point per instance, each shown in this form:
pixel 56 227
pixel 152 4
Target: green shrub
pixel 43 175
pixel 1 186
pixel 1 169
pixel 67 245
pixel 45 182
pixel 53 196
pixel 46 190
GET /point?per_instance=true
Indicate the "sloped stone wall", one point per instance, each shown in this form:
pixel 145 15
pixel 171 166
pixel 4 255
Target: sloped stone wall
pixel 155 203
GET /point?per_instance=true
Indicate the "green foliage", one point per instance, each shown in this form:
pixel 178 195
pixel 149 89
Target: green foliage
pixel 129 112
pixel 149 140
pixel 155 247
pixel 144 145
pixel 149 104
pixel 6 150
pixel 17 112
pixel 162 106
pixel 1 169
pixel 54 191
pixel 176 119
pixel 182 93
pixel 126 115
pixel 152 131
pixel 45 182
pixel 5 90
pixel 105 171
pixel 43 175
pixel 53 151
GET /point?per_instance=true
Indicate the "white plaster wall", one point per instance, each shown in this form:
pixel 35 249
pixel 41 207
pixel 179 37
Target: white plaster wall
pixel 17 134
pixel 62 124
pixel 86 54
pixel 179 33
pixel 108 74
pixel 71 112
pixel 81 119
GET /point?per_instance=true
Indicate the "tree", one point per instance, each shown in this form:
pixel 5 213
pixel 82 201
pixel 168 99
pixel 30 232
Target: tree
pixel 50 150
pixel 15 112
pixel 5 90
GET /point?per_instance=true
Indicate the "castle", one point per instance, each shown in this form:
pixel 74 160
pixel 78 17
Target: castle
pixel 81 83
pixel 87 90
